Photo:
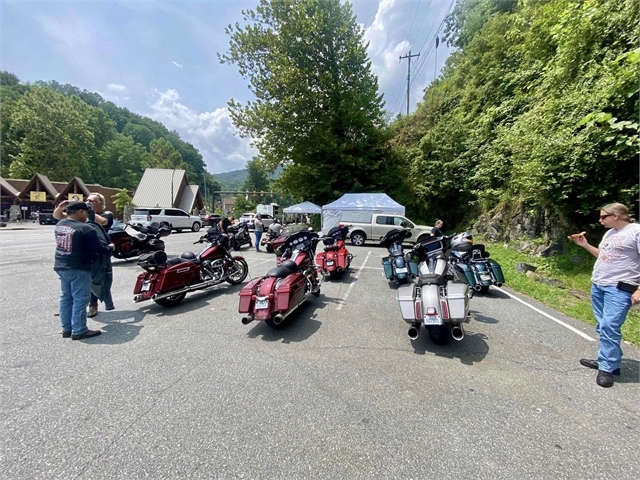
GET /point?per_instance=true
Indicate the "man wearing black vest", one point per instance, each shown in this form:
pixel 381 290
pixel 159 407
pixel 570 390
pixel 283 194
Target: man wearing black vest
pixel 77 246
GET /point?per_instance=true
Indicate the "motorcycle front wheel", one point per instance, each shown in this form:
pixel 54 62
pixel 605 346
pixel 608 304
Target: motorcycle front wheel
pixel 171 301
pixel 241 270
pixel 269 248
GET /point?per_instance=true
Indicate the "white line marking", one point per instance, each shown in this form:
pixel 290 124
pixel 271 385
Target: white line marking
pixel 260 263
pixel 575 330
pixel 374 268
pixel 344 300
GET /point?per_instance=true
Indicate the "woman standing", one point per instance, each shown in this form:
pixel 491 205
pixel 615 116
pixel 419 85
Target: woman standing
pixel 258 227
pixel 616 286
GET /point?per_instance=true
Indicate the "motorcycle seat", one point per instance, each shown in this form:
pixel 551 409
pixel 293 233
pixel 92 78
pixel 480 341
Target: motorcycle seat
pixel 279 272
pixel 172 260
pixel 140 236
pixel 431 279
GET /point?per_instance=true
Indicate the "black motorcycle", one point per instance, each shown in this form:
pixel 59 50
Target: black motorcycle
pixel 141 240
pixel 239 235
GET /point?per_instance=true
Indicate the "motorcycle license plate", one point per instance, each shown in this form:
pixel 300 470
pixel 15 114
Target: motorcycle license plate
pixel 330 262
pixel 146 286
pixel 485 277
pixel 262 304
pixel 401 270
pixel 432 320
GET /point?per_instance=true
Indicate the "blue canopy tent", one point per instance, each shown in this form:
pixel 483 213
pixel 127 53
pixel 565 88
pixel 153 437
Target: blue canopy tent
pixel 358 208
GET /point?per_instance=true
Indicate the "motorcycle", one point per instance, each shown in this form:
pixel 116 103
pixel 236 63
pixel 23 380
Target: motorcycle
pixel 272 240
pixel 143 240
pixel 239 234
pixel 395 268
pixel 435 302
pixel 476 268
pixel 283 289
pixel 167 280
pixel 335 258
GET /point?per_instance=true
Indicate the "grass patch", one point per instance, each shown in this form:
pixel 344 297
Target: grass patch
pixel 575 276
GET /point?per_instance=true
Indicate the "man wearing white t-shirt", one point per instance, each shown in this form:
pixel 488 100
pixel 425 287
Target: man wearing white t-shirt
pixel 616 286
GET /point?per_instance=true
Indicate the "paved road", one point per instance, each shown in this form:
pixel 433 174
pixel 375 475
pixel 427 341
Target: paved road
pixel 342 392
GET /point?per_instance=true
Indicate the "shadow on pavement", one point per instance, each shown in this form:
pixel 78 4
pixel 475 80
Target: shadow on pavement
pixel 481 318
pixel 298 327
pixel 629 371
pixel 471 349
pixel 119 326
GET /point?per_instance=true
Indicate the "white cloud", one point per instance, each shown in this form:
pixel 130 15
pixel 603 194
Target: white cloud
pixel 114 87
pixel 212 133
pixel 176 64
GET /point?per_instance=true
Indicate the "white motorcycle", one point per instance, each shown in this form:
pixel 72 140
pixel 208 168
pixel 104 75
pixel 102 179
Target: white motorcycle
pixel 435 302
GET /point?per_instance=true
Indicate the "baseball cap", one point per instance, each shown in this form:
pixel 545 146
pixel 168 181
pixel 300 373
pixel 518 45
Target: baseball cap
pixel 75 206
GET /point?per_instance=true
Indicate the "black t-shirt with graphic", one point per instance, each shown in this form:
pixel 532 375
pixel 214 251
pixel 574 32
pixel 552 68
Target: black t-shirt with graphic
pixel 76 245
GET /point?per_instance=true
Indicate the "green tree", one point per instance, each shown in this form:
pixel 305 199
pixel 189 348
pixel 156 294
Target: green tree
pixel 317 111
pixel 122 199
pixel 140 134
pixel 257 179
pixel 162 155
pixel 52 137
pixel 120 163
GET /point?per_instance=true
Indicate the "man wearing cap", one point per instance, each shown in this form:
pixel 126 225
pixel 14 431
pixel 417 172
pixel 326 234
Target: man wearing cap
pixel 76 247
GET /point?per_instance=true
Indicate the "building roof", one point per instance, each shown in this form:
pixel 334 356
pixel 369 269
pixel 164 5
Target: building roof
pixel 190 197
pixel 154 188
pixel 79 185
pixel 39 181
pixel 8 188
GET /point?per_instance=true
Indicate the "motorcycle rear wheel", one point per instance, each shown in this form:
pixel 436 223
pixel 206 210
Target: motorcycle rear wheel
pixel 484 289
pixel 279 326
pixel 242 269
pixel 171 301
pixel 439 334
pixel 335 275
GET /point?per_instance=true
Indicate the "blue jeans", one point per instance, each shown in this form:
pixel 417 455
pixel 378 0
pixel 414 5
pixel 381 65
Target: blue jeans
pixel 610 306
pixel 76 292
pixel 258 237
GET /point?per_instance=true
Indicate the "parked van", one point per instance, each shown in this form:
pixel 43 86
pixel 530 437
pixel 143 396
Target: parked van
pixel 381 223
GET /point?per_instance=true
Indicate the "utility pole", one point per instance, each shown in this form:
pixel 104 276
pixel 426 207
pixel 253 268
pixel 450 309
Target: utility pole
pixel 409 75
pixel 435 67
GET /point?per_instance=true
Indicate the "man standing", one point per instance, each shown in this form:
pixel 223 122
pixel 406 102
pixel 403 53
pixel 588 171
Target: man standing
pixel 616 280
pixel 76 247
pixel 101 271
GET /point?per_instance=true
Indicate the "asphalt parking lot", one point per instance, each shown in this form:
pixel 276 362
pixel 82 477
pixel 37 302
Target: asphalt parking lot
pixel 341 392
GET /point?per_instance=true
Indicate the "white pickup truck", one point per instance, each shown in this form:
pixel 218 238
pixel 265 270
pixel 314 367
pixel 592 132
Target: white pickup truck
pixel 381 223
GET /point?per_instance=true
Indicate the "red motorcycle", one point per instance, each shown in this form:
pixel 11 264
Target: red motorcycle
pixel 335 258
pixel 284 288
pixel 167 280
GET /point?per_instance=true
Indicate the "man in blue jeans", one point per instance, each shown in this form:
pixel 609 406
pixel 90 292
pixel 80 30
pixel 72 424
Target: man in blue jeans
pixel 616 286
pixel 77 246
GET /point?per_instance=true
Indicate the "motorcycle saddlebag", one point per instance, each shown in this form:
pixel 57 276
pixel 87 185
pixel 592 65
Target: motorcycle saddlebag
pixel 467 273
pixel 496 269
pixel 406 296
pixel 290 291
pixel 247 300
pixel 320 260
pixel 342 258
pixel 156 244
pixel 386 264
pixel 457 295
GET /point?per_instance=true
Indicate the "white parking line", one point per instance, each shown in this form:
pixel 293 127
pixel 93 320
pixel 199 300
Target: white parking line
pixel 374 268
pixel 344 300
pixel 575 330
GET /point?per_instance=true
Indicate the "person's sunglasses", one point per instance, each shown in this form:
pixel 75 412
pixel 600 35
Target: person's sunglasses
pixel 602 217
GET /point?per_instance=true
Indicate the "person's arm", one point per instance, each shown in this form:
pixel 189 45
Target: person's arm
pixel 100 220
pixel 58 213
pixel 581 240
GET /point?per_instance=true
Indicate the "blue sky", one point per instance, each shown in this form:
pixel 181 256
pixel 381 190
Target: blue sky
pixel 158 58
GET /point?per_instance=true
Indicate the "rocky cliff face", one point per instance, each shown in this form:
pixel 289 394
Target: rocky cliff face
pixel 534 232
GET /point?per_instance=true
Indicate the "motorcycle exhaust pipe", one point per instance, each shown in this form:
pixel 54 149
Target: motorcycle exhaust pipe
pixel 457 332
pixel 247 320
pixel 278 319
pixel 413 332
pixel 498 284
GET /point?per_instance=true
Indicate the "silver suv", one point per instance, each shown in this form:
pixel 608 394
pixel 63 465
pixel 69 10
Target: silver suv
pixel 173 218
